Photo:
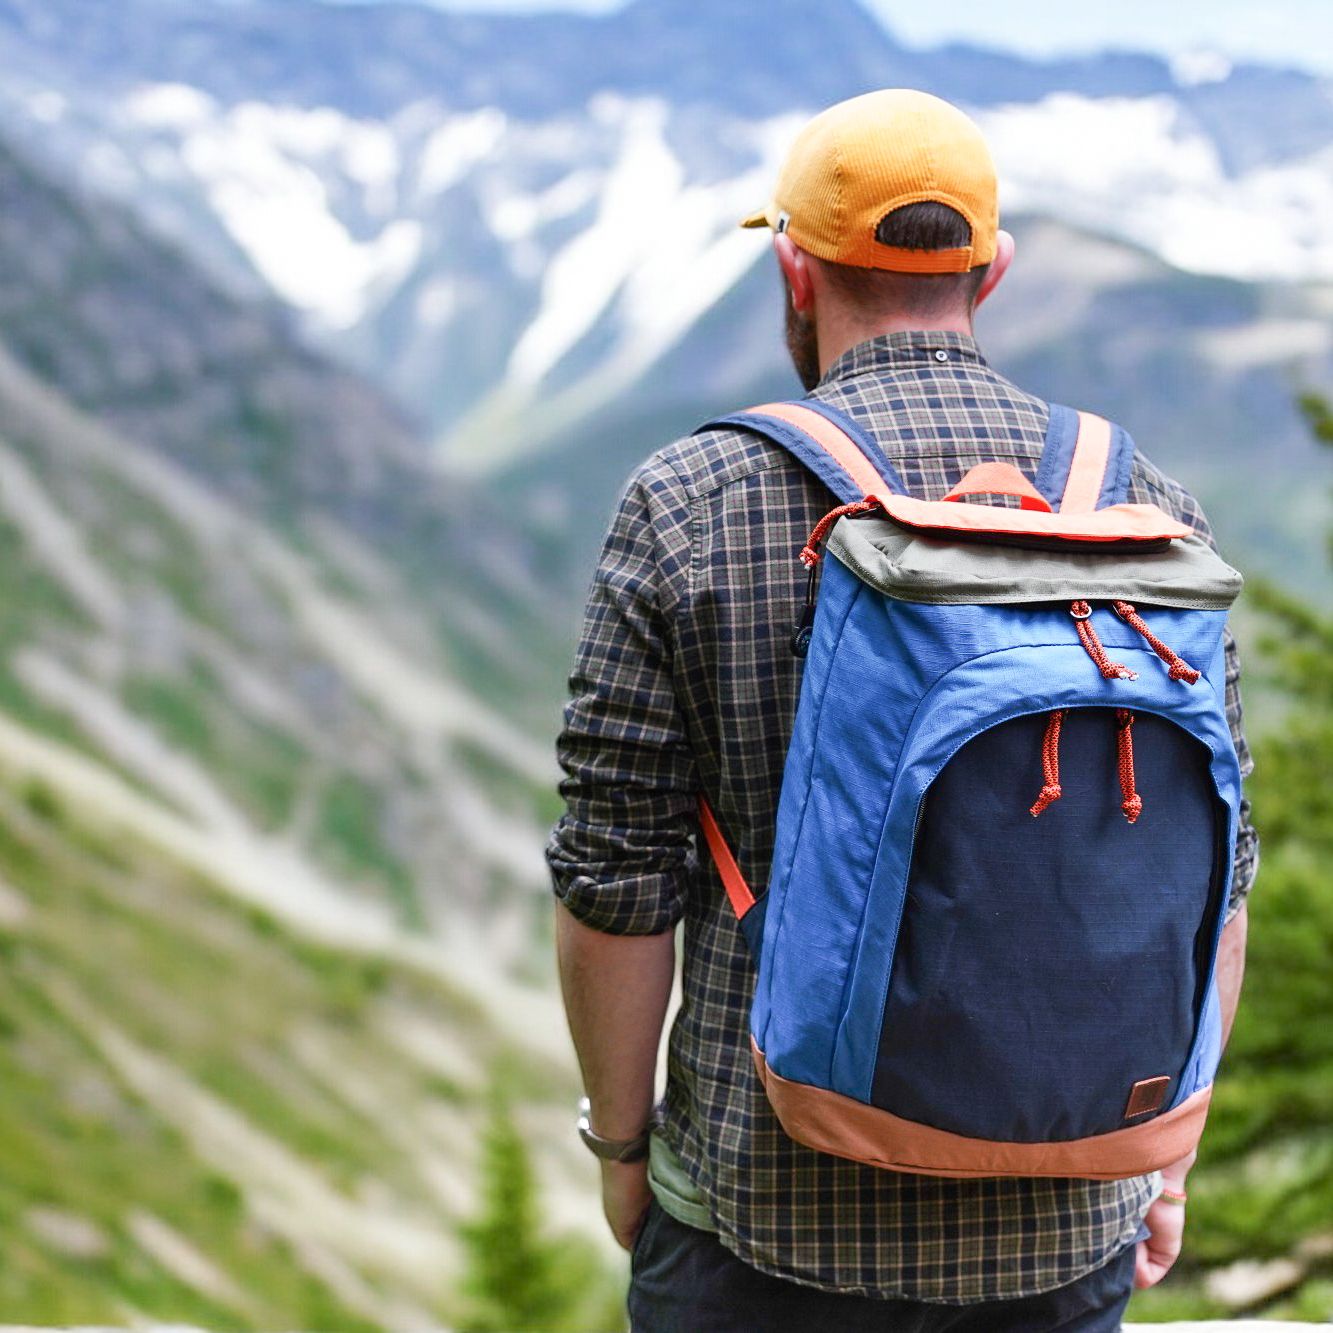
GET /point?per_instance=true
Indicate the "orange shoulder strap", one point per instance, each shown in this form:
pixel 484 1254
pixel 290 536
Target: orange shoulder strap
pixel 832 439
pixel 828 442
pixel 1087 470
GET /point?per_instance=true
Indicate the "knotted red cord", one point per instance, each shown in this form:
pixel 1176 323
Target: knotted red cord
pixel 1050 763
pixel 810 551
pixel 1132 805
pixel 1081 612
pixel 1179 668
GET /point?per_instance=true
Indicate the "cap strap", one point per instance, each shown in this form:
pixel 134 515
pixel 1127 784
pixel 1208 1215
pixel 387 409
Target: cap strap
pixel 898 259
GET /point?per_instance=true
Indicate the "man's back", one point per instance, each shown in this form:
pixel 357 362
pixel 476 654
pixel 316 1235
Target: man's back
pixel 686 683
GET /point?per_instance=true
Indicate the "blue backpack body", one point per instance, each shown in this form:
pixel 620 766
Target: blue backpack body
pixel 1007 820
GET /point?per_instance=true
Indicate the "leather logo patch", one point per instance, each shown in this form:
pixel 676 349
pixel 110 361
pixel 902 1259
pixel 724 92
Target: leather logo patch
pixel 1146 1096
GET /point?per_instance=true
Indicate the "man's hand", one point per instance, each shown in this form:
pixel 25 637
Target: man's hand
pixel 625 1199
pixel 1166 1222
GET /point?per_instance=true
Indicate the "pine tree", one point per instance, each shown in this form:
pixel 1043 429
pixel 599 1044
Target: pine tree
pixel 517 1280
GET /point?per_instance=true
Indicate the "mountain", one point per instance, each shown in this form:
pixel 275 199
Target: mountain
pixel 121 323
pixel 383 78
pixel 371 61
pixel 229 1098
pixel 269 868
pixel 262 584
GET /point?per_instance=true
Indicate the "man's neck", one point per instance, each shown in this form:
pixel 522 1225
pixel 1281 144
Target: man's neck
pixel 840 336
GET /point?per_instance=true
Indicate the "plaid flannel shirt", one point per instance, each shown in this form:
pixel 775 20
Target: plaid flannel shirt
pixel 685 682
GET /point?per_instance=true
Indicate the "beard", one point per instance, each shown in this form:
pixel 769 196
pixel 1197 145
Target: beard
pixel 802 343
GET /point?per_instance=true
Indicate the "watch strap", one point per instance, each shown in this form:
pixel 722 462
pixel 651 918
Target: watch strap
pixel 611 1150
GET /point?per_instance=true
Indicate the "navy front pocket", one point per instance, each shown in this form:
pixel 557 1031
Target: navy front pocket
pixel 1049 972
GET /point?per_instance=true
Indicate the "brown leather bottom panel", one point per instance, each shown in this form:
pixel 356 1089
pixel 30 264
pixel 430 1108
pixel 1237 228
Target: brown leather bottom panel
pixel 840 1125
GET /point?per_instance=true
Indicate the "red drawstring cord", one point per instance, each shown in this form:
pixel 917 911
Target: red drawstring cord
pixel 1179 668
pixel 810 551
pixel 1050 763
pixel 1132 805
pixel 1081 612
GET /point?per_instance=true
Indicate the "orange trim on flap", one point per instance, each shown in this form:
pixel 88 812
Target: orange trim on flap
pixel 1126 522
pixel 1000 479
pixel 840 1125
pixel 1088 467
pixel 833 440
pixel 738 891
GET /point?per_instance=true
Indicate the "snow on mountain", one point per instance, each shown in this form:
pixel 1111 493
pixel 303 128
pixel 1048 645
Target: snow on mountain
pixel 618 270
pixel 1191 68
pixel 531 254
pixel 272 174
pixel 1144 170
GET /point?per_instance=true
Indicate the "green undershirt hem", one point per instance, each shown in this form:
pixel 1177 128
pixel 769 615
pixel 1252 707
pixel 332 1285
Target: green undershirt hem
pixel 673 1189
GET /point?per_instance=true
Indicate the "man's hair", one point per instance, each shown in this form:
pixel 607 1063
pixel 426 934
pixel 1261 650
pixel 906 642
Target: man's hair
pixel 924 226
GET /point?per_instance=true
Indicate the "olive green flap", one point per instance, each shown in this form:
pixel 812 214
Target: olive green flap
pixel 914 568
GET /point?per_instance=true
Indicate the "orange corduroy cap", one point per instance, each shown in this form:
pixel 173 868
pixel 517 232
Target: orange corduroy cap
pixel 861 159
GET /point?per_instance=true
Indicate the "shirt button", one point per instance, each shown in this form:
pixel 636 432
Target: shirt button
pixel 941 354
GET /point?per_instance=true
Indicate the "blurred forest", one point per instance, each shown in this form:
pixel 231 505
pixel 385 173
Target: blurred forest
pixel 1262 1194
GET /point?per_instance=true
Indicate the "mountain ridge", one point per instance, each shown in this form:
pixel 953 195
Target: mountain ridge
pixel 430 49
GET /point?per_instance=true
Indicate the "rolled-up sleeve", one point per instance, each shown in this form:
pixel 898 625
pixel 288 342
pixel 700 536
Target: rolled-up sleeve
pixel 623 852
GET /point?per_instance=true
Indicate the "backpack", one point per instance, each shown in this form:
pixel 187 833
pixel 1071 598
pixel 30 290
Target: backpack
pixel 1007 819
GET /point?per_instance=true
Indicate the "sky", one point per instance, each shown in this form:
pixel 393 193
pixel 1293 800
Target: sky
pixel 1288 32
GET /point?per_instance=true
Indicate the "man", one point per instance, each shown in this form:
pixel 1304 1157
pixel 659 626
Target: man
pixel 886 236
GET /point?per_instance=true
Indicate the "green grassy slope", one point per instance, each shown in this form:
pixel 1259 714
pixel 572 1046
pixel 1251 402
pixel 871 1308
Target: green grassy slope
pixel 300 1120
pixel 266 693
pixel 241 1085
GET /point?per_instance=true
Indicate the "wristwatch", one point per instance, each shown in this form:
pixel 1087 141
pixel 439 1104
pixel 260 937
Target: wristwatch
pixel 611 1150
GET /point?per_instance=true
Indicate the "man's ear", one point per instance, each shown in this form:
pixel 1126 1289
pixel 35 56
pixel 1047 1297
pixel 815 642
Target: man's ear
pixel 999 266
pixel 795 266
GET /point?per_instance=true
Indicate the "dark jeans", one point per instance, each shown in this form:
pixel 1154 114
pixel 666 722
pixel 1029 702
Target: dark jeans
pixel 686 1281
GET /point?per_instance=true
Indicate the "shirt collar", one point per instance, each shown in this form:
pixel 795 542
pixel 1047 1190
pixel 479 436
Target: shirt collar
pixel 897 351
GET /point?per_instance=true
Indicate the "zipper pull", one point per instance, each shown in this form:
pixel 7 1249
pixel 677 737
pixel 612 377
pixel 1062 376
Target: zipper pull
pixel 810 557
pixel 800 639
